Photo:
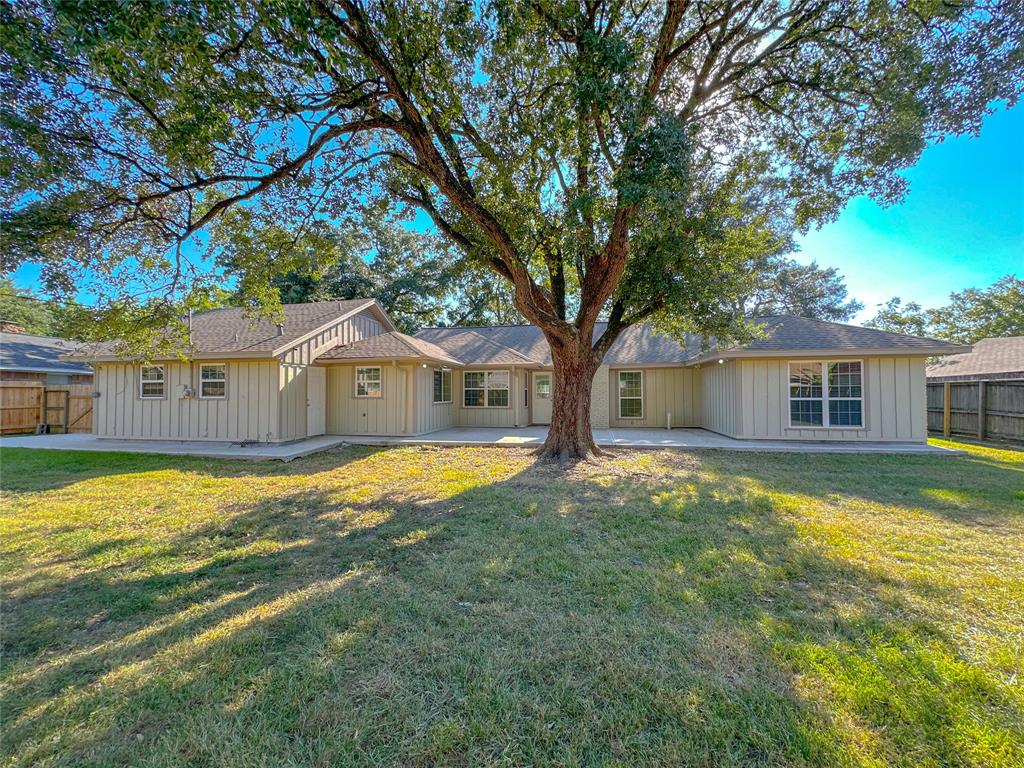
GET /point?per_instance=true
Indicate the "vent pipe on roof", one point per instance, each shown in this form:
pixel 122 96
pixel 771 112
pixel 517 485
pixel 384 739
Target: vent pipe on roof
pixel 189 321
pixel 280 329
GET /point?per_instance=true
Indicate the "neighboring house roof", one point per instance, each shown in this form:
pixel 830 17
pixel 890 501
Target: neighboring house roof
pixel 788 334
pixel 40 354
pixel 229 332
pixel 390 345
pixel 526 345
pixel 988 359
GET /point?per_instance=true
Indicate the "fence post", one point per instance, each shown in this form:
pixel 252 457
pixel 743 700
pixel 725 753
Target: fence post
pixel 946 408
pixel 981 410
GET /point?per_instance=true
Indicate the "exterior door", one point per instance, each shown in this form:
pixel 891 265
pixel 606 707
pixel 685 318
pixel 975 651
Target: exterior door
pixel 541 397
pixel 316 400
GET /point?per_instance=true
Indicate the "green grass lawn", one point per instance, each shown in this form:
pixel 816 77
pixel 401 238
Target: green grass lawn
pixel 423 606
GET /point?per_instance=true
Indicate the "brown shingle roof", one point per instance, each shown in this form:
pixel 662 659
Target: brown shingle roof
pixel 785 332
pixel 792 334
pixel 481 346
pixel 642 345
pixel 525 344
pixel 228 331
pixel 990 358
pixel 390 345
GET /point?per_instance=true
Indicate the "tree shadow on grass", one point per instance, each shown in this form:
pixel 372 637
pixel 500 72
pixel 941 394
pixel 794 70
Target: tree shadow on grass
pixel 26 470
pixel 669 612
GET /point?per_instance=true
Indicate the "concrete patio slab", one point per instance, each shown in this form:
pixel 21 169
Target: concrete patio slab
pixel 78 442
pixel 682 439
pixel 677 439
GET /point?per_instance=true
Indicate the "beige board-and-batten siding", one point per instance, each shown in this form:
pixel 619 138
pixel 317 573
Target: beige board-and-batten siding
pixel 515 415
pixel 249 411
pixel 716 383
pixel 293 389
pixel 893 400
pixel 384 415
pixel 665 391
pixel 431 416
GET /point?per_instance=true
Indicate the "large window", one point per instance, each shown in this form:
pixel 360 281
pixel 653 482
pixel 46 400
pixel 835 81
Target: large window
pixel 213 379
pixel 826 394
pixel 442 386
pixel 631 394
pixel 485 389
pixel 368 382
pixel 151 382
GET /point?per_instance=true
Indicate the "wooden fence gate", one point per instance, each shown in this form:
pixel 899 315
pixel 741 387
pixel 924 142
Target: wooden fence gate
pixel 980 409
pixel 24 405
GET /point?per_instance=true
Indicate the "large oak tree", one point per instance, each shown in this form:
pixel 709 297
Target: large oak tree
pixel 603 157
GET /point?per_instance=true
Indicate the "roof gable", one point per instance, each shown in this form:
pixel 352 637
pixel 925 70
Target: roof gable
pixel 230 332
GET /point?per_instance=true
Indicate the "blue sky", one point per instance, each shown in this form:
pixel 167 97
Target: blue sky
pixel 961 225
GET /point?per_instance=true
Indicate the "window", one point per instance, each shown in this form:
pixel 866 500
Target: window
pixel 839 402
pixel 151 382
pixel 485 389
pixel 845 394
pixel 631 394
pixel 497 389
pixel 442 386
pixel 805 395
pixel 368 382
pixel 213 380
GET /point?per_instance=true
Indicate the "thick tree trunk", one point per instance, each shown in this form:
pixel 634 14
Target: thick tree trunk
pixel 569 436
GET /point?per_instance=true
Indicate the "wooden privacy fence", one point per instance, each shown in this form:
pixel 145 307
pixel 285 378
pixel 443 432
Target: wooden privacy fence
pixel 981 409
pixel 24 405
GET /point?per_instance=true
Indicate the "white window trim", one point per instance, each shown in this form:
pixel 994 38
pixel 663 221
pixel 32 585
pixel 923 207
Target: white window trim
pixel 824 395
pixel 451 386
pixel 485 389
pixel 201 380
pixel 379 382
pixel 618 394
pixel 163 381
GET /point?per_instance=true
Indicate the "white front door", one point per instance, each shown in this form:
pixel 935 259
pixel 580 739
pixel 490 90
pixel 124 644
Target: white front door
pixel 316 400
pixel 541 398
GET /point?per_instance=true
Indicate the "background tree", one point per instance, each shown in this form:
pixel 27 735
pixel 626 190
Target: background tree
pixel 592 154
pixel 25 308
pixel 784 286
pixel 896 317
pixel 411 274
pixel 970 316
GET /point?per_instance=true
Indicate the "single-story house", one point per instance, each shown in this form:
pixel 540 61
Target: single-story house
pixel 341 367
pixel 39 359
pixel 988 360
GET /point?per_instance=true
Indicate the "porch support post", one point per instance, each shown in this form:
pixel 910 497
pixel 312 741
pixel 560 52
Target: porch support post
pixel 516 394
pixel 410 399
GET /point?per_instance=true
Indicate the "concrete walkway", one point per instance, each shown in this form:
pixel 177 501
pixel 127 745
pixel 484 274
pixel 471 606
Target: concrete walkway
pixel 680 439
